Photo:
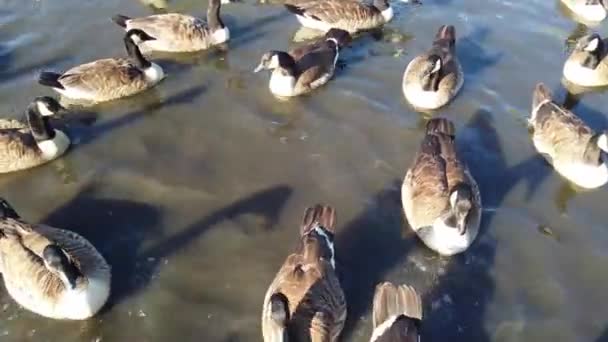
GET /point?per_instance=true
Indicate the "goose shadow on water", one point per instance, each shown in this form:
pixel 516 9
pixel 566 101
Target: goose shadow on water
pixel 89 133
pixel 472 55
pixel 456 305
pixel 250 32
pixel 367 248
pixel 119 228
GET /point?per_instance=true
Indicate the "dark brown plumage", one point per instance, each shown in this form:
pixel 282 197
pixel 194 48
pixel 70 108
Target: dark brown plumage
pixel 307 286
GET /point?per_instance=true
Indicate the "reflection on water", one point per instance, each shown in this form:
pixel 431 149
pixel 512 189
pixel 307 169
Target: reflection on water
pixel 193 191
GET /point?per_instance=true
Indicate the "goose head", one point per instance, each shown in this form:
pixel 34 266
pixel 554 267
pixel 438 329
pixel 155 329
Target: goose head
pixel 431 73
pixel 592 47
pixel 57 262
pixel 47 106
pixel 276 59
pixel 38 114
pixel 132 39
pixel 138 36
pixel 461 203
pixel 341 37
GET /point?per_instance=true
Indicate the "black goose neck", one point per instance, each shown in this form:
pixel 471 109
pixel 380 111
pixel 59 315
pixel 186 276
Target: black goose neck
pixel 134 52
pixel 213 16
pixel 40 125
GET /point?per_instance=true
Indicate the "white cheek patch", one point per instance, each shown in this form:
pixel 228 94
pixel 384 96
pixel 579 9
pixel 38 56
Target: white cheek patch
pixel 43 109
pixel 274 62
pixel 593 45
pixel 453 198
pixel 437 66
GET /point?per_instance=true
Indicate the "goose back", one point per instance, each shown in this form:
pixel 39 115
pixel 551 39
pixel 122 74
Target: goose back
pixel 104 80
pixel 308 282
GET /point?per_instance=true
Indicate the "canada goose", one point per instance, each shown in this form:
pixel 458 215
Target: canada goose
pixel 575 151
pixel 349 15
pixel 110 78
pixel 587 66
pixel 53 272
pixel 397 313
pixel 434 78
pixel 176 32
pixel 591 10
pixel 303 69
pixel 38 143
pixel 305 301
pixel 440 198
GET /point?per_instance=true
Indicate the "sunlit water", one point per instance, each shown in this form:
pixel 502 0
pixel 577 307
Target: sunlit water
pixel 194 191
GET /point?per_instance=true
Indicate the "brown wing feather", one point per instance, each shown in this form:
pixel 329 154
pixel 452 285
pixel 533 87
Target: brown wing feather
pixel 392 301
pixel 109 78
pixel 317 305
pixel 345 14
pixel 562 130
pixel 317 308
pixel 316 68
pixel 12 124
pixel 18 151
pixel 82 252
pixel 21 261
pixel 455 169
pixel 427 184
pixel 174 31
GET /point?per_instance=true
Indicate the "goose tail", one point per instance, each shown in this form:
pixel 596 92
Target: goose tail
pixel 323 215
pixel 541 94
pixel 441 125
pixel 50 79
pixel 446 33
pixel 395 306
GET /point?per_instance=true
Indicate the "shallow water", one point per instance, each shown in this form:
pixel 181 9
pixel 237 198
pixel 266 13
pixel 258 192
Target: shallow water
pixel 194 191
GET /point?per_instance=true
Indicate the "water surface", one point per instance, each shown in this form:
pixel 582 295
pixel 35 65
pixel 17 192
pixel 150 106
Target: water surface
pixel 194 191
